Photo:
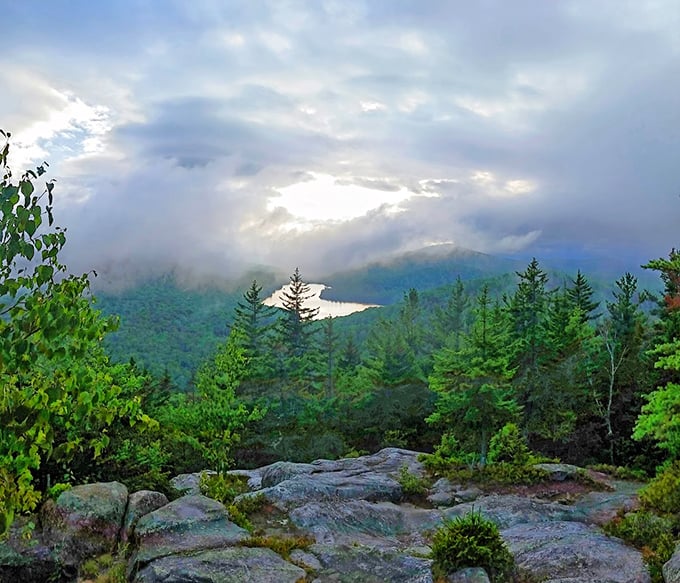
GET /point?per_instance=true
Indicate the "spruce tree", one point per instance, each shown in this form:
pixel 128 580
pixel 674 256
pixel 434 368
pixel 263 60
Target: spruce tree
pixel 475 396
pixel 580 295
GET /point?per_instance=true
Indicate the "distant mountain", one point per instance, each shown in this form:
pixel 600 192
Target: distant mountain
pixel 386 281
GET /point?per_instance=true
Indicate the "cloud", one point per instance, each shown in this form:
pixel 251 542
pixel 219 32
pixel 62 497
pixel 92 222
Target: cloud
pixel 507 128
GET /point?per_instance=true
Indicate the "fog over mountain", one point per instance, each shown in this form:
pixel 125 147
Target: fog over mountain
pixel 207 137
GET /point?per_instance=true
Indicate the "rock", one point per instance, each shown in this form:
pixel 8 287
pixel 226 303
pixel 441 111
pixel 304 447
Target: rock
pixel 254 477
pixel 281 471
pixel 189 484
pixel 575 552
pixel 601 507
pixel 671 570
pixel 29 560
pixel 559 472
pixel 469 575
pixel 231 565
pixel 382 524
pixel 139 504
pixel 510 509
pixel 371 478
pixel 85 521
pixel 444 493
pixel 305 560
pixel 188 524
pixel 350 564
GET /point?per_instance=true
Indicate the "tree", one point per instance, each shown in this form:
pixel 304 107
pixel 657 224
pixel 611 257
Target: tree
pixel 580 295
pixel 329 348
pixel 58 395
pixel 449 324
pixel 473 383
pixel 296 322
pixel 622 337
pixel 660 416
pixel 255 322
pixel 528 309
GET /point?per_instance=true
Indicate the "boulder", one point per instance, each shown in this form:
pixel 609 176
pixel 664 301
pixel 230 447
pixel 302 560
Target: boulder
pixel 29 560
pixel 189 484
pixel 559 472
pixel 230 565
pixel 139 504
pixel 352 564
pixel 562 551
pixel 85 521
pixel 469 575
pixel 445 493
pixel 671 570
pixel 188 524
pixel 281 471
pixel 602 507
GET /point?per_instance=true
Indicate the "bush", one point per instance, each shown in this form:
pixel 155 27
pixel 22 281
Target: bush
pixel 509 445
pixel 447 455
pixel 663 492
pixel 282 545
pixel 652 534
pixel 411 484
pixel 223 487
pixel 471 541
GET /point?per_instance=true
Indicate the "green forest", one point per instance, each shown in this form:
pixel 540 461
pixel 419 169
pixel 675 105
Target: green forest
pixel 579 378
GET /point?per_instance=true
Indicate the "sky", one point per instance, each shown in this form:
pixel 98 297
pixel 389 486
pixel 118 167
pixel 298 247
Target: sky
pixel 213 135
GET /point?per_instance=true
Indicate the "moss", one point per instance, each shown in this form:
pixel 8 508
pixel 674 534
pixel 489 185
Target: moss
pixel 282 545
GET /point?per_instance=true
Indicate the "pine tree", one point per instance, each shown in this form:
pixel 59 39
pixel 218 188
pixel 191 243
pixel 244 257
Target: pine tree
pixel 580 295
pixel 475 396
pixel 448 324
pixel 296 322
pixel 329 349
pixel 528 309
pixel 255 322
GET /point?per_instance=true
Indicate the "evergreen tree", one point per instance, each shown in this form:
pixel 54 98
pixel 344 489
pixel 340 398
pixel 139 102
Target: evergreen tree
pixel 580 295
pixel 528 310
pixel 329 349
pixel 449 324
pixel 475 396
pixel 296 322
pixel 660 416
pixel 350 357
pixel 255 322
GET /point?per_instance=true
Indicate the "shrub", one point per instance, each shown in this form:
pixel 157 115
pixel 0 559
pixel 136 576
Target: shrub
pixel 509 445
pixel 513 474
pixel 448 454
pixel 652 534
pixel 663 492
pixel 471 541
pixel 411 484
pixel 223 487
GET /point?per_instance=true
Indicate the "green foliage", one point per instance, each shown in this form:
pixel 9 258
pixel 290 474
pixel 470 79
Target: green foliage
pixel 663 492
pixel 652 534
pixel 411 484
pixel 509 474
pixel 471 541
pixel 223 487
pixel 447 454
pixel 54 491
pixel 59 392
pixel 510 446
pixel 105 569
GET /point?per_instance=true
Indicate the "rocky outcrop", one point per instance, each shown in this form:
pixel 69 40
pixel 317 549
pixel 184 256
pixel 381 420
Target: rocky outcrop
pixel 561 551
pixel 187 525
pixel 671 570
pixel 230 565
pixel 85 521
pixel 186 484
pixel 352 511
